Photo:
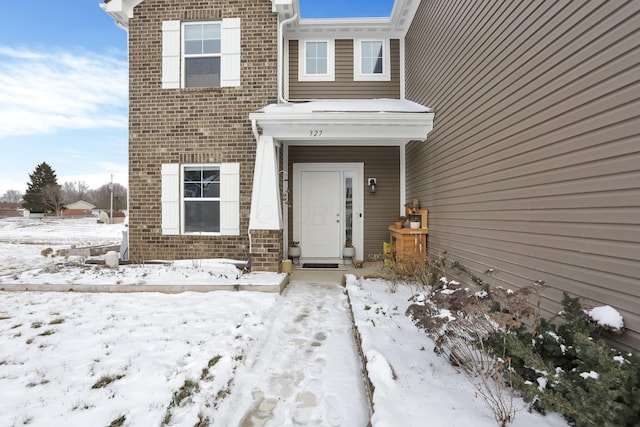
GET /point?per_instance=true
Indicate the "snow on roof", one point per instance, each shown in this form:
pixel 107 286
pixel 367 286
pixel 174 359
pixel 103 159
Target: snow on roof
pixel 348 105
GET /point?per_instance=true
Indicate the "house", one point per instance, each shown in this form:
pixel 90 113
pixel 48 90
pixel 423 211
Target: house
pixel 78 209
pixel 105 217
pixel 216 154
pixel 10 209
pixel 513 123
pixel 532 170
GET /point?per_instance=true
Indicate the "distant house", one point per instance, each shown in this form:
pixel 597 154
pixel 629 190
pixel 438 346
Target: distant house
pixel 78 209
pixel 10 209
pixel 118 217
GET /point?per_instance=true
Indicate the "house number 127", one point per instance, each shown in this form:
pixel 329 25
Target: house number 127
pixel 315 132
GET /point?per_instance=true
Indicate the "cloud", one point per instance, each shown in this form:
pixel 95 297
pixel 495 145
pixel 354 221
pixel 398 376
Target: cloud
pixel 42 92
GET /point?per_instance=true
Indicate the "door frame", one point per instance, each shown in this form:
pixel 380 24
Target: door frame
pixel 347 170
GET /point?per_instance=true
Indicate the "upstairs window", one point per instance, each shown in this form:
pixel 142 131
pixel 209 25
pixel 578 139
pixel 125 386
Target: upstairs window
pixel 316 60
pixel 202 54
pixel 371 60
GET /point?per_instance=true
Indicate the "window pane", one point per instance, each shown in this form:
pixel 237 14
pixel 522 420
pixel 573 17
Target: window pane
pixel 348 208
pixel 193 32
pixel 192 190
pixel 311 66
pixel 366 66
pixel 211 189
pixel 371 57
pixel 211 46
pixel 202 72
pixel 193 47
pixel 311 49
pixel 377 67
pixel 210 174
pixel 211 31
pixel 202 217
pixel 321 50
pixel 376 50
pixel 192 174
pixel 316 58
pixel 321 66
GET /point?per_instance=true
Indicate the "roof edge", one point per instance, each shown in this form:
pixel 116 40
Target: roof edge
pixel 397 24
pixel 120 10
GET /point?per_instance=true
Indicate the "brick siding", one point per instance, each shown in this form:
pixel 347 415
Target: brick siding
pixel 195 125
pixel 266 250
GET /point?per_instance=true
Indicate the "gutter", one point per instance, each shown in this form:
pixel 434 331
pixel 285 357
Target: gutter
pixel 281 98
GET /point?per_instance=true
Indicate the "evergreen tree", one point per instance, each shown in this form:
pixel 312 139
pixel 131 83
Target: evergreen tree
pixel 43 192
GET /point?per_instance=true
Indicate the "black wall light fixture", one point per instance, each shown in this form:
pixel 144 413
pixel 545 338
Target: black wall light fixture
pixel 373 184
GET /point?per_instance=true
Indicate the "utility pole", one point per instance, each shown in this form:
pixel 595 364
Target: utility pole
pixel 111 207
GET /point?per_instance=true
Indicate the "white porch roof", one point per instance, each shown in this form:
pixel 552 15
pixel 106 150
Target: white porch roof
pixel 366 121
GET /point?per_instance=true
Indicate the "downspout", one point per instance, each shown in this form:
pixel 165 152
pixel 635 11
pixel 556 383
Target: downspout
pixel 281 99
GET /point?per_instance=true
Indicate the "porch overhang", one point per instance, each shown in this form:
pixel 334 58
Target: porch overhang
pixel 351 122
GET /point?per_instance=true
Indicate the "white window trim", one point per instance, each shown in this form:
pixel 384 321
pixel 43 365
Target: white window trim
pixel 203 199
pixel 173 61
pixel 184 56
pixel 172 199
pixel 386 61
pixel 302 62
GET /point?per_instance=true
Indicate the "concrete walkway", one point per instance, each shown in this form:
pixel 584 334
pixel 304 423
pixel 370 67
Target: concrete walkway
pixel 331 275
pixel 308 362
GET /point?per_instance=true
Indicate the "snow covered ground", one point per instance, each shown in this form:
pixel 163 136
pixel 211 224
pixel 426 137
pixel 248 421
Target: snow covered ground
pixel 218 358
pixel 33 252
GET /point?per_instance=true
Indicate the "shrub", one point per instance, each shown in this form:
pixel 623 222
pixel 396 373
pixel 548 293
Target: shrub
pixel 571 370
pixel 561 364
pixel 410 270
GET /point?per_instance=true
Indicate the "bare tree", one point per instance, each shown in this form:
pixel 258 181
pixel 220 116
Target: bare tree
pixel 101 197
pixel 11 196
pixel 72 191
pixel 52 198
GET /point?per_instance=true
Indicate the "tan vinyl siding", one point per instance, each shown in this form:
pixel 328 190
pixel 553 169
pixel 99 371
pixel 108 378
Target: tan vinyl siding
pixel 533 166
pixel 344 86
pixel 381 208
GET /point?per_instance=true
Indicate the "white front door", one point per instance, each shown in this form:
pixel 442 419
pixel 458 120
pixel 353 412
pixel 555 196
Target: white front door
pixel 320 214
pixel 327 209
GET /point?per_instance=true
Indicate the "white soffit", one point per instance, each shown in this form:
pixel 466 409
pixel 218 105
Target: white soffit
pixel 395 26
pixel 356 122
pixel 120 10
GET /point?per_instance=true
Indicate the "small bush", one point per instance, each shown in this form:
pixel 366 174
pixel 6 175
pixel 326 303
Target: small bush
pixel 562 365
pixel 188 389
pixel 203 421
pixel 410 270
pixel 118 422
pixel 571 370
pixel 105 380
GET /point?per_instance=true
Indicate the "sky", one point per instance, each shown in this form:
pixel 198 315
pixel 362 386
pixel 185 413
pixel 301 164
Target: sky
pixel 63 87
